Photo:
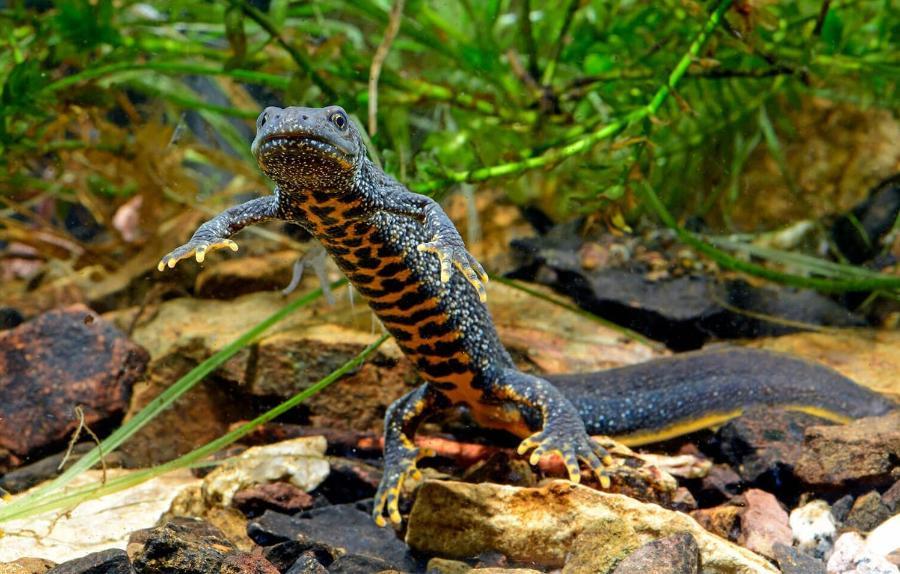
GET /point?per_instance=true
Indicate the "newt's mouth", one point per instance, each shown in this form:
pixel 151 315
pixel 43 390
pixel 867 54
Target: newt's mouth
pixel 299 143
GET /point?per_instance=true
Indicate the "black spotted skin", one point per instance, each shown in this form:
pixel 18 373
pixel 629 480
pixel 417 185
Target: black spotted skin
pixel 404 255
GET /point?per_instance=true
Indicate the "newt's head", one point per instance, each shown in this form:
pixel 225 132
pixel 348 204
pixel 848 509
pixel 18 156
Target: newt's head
pixel 308 147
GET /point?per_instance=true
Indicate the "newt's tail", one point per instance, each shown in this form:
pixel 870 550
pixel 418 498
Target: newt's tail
pixel 665 398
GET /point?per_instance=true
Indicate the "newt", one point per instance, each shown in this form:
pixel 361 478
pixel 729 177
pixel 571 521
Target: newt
pixel 404 255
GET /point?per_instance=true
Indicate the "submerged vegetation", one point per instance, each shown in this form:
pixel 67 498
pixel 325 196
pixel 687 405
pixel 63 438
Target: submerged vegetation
pixel 582 107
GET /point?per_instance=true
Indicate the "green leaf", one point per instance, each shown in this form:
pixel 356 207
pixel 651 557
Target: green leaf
pixel 596 64
pixel 832 31
pixel 85 25
pixel 237 38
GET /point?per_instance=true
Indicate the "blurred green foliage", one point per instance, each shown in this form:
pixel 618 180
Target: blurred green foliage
pixel 488 91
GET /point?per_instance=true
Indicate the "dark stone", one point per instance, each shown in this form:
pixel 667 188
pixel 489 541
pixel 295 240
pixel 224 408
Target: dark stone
pixel 676 554
pixel 683 311
pixel 307 564
pixel 867 512
pixel 284 554
pixel 29 475
pixel 792 561
pixel 61 359
pixel 347 527
pixel 277 496
pixel 349 481
pixel 183 546
pixel 764 445
pixel 358 564
pixel 9 318
pixel 112 561
pixel 858 234
pixel 841 508
pixel 683 500
pixel 720 485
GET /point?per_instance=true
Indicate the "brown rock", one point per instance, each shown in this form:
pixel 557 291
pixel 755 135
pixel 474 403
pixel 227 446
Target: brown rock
pixel 891 497
pixel 61 359
pixel 26 566
pixel 278 496
pixel 722 483
pixel 246 563
pixel 676 554
pixel 867 512
pixel 113 561
pixel 598 548
pixel 763 523
pixel 792 561
pixel 862 452
pixel 183 546
pixel 541 525
pixel 723 520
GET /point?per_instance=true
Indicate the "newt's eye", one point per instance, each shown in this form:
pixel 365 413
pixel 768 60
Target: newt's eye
pixel 339 119
pixel 261 120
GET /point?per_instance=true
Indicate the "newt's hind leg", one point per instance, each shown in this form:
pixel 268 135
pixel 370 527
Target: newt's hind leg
pixel 400 452
pixel 562 430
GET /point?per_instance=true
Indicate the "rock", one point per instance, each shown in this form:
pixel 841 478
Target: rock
pixel 599 547
pixel 277 496
pixel 793 561
pixel 723 520
pixel 841 508
pixel 445 566
pixel 813 527
pixel 683 500
pixel 26 566
pixel 763 523
pixel 676 554
pixel 885 539
pixel 56 361
pixel 29 475
pixel 306 564
pixel 764 445
pixel 862 452
pixel 300 461
pixel 287 554
pixel 185 546
pixel 230 278
pixel 846 549
pixel 246 563
pixel 331 531
pixel 97 524
pixel 891 497
pixel 720 484
pixel 349 481
pixel 858 234
pixel 106 562
pixel 359 564
pixel 867 512
pixel 9 318
pixel 541 525
pixel 192 504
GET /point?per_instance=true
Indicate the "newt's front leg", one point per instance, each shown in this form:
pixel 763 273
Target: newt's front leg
pixel 562 429
pixel 215 233
pixel 400 452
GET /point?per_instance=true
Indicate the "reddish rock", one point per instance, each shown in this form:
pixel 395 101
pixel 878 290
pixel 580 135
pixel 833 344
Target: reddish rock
pixel 61 359
pixel 891 497
pixel 721 520
pixel 863 452
pixel 278 496
pixel 246 563
pixel 763 523
pixel 721 484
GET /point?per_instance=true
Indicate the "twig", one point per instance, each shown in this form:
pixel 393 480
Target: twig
pixel 550 70
pixel 295 54
pixel 820 20
pixel 587 143
pixel 79 412
pixel 528 36
pixel 381 53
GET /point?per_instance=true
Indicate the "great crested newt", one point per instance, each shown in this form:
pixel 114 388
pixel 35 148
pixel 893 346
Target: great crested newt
pixel 399 250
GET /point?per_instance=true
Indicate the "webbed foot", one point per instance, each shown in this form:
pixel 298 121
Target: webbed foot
pixel 452 255
pixel 399 465
pixel 572 447
pixel 196 247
